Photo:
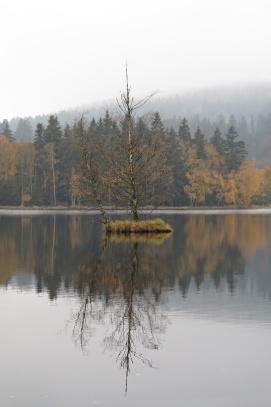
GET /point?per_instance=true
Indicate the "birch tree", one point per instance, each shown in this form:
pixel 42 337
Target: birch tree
pixel 137 161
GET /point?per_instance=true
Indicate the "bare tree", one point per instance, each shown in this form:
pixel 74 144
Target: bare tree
pixel 139 174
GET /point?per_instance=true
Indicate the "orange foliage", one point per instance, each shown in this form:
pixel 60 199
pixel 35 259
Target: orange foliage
pixel 248 181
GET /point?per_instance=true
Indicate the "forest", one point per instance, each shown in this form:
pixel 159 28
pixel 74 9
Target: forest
pixel 211 169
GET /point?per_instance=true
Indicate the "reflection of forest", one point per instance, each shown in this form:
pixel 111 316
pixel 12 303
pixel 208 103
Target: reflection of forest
pixel 218 246
pixel 49 246
pixel 57 248
pixel 121 283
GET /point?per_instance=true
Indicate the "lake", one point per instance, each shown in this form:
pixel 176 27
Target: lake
pixel 183 320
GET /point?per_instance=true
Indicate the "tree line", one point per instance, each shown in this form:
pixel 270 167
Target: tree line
pixel 90 163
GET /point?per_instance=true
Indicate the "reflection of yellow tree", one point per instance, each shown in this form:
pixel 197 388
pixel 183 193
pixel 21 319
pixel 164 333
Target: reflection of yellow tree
pixel 211 240
pixel 8 263
pixel 16 248
pixel 35 244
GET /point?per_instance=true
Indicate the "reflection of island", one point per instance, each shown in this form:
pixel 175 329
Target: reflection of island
pixel 134 309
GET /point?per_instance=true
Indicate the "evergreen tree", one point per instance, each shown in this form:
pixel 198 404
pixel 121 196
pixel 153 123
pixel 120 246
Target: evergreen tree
pixel 7 131
pixel 53 132
pixel 218 141
pixel 176 151
pixel 100 127
pixel 141 126
pixel 39 137
pixel 235 151
pixel 107 124
pixel 157 127
pixel 242 128
pixel 184 131
pixel 157 124
pixel 38 193
pixel 206 127
pixel 24 130
pixel 52 158
pixel 66 165
pixel 199 141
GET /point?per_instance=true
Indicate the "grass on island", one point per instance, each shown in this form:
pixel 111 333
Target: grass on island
pixel 153 238
pixel 143 226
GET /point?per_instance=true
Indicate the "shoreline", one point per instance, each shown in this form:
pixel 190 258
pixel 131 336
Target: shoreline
pixel 144 211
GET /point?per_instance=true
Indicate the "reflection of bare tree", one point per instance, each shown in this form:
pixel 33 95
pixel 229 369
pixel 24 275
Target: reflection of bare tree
pixel 137 319
pixel 110 289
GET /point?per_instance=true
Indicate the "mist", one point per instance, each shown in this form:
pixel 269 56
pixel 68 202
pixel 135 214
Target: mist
pixel 60 54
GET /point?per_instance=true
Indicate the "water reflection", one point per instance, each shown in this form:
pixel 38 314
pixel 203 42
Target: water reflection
pixel 54 247
pixel 217 246
pixel 212 268
pixel 125 291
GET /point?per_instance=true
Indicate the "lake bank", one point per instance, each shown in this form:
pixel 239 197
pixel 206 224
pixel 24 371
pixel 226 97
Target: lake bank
pixel 146 211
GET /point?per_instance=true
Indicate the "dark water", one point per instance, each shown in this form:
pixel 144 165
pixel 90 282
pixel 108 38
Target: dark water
pixel 183 321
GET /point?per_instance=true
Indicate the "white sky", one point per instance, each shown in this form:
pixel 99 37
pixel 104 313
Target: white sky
pixel 57 54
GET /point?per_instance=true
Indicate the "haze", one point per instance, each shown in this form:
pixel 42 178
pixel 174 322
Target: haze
pixel 61 54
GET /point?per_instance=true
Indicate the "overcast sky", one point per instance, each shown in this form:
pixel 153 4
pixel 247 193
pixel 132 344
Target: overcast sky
pixel 65 53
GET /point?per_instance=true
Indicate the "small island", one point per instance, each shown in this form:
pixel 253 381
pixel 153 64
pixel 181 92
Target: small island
pixel 144 226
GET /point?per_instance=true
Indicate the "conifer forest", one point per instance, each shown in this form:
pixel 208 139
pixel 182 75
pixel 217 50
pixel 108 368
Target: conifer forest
pixel 85 163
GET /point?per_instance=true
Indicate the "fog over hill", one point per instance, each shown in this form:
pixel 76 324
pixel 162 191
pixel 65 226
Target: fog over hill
pixel 247 107
pixel 247 101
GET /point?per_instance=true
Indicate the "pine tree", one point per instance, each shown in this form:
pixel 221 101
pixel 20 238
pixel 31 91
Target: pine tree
pixel 24 130
pixel 218 142
pixel 38 193
pixel 175 152
pixel 39 137
pixel 157 127
pixel 199 141
pixel 7 131
pixel 53 132
pixel 184 131
pixel 52 158
pixel 107 124
pixel 235 151
pixel 157 124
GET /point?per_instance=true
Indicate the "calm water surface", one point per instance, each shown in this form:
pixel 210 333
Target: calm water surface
pixel 183 321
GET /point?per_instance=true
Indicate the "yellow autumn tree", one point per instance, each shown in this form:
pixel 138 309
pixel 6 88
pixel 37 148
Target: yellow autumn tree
pixel 7 159
pixel 230 189
pixel 204 175
pixel 26 169
pixel 198 185
pixel 248 181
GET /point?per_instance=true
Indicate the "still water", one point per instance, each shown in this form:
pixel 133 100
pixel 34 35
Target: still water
pixel 180 321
